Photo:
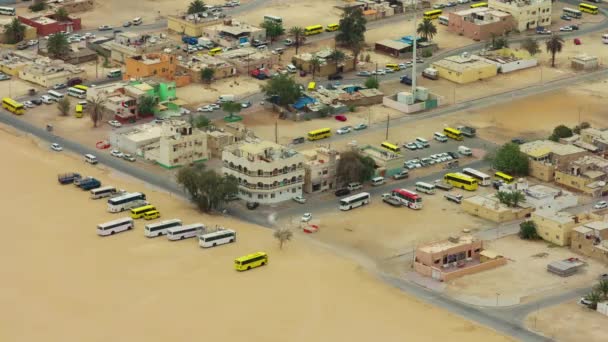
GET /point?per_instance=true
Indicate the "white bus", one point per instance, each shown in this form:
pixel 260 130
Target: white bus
pixel 185 232
pixel 137 21
pixel 482 178
pixel 55 94
pixel 219 237
pixel 605 38
pixel 425 187
pixel 116 226
pixel 158 229
pixel 273 18
pixel 126 202
pixel 106 191
pixel 354 201
pixel 443 20
pixel 572 13
pixel 79 93
pixel 7 10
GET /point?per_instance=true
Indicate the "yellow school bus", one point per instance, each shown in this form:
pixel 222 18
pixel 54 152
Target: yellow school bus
pixel 314 29
pixel 78 111
pixel 479 4
pixel 250 261
pixel 583 7
pixel 462 181
pixel 505 177
pixel 434 14
pixel 390 147
pixel 453 133
pixel 139 212
pixel 393 66
pixel 319 134
pixel 13 106
pixel 332 27
pixel 215 51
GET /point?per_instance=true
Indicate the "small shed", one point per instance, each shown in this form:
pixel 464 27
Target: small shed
pixel 487 255
pixel 584 62
pixel 565 268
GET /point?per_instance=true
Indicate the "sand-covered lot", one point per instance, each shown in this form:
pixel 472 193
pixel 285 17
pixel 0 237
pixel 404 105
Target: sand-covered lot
pixel 569 322
pixel 61 282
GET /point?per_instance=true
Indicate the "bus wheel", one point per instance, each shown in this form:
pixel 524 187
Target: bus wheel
pixel 112 233
pixel 181 237
pixel 159 234
pixel 213 245
pixel 231 240
pixel 248 267
pixel 263 263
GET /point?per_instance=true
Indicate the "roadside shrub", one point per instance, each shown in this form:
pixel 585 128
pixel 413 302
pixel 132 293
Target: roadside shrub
pixel 427 53
pixel 352 108
pixel 527 231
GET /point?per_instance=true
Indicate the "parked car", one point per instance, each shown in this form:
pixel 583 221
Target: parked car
pixel 128 157
pixel 565 17
pixel 116 153
pixel 401 174
pixel 306 217
pixel 32 42
pixel 438 6
pixel 566 29
pixel 518 141
pixel 298 140
pixel 288 42
pixel 4 77
pixel 37 102
pixel 360 126
pixel 204 109
pixel 574 27
pixel 341 118
pixel 114 123
pixel 364 73
pixel 334 77
pixel 342 192
pixel 252 205
pixel 22 46
pixel 29 104
pixel 600 205
pixel 246 104
pixel 300 199
pixel 411 146
pixel 56 147
pixel 60 86
pixel 104 28
pixel 584 302
pixel 126 24
pixel 343 130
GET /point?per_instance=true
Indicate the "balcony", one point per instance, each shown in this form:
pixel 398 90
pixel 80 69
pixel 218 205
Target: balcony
pixel 261 173
pixel 279 185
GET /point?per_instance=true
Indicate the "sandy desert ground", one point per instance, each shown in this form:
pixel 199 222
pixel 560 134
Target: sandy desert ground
pixel 569 322
pixel 64 283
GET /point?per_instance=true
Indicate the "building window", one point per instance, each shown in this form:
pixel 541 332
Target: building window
pixel 579 246
pixel 271 195
pixel 259 196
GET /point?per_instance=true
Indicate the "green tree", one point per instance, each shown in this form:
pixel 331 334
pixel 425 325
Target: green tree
pixel 352 30
pixel 207 74
pixel 206 188
pixel 594 297
pixel 146 105
pixel 531 45
pixel 500 42
pixel 561 131
pixel 583 125
pixel 283 89
pixel 64 106
pixel 58 45
pixel 372 82
pixel 602 287
pixel 298 36
pixel 273 29
pixel 62 14
pixel 338 57
pixel 352 167
pixel 427 29
pixel 527 231
pixel 196 6
pixel 282 235
pixel 554 46
pixel 200 122
pixel 37 6
pixel 325 111
pixel 232 108
pixel 14 31
pixel 511 160
pixel 95 109
pixel 315 64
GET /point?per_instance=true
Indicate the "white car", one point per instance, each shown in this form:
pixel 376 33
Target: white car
pixel 32 42
pixel 343 130
pixel 584 301
pixel 204 109
pixel 117 154
pixel 56 147
pixel 600 205
pixel 306 217
pixel 215 106
pixel 300 199
pixel 184 111
pixel 386 195
pixel 463 1
pixel 29 104
pixel 114 123
pixel 566 29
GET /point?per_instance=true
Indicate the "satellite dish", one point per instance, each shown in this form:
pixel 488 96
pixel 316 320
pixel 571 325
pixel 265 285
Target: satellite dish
pixel 601 183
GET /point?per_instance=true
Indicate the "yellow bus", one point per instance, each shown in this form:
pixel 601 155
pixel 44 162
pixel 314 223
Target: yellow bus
pixel 140 211
pixel 462 181
pixel 81 87
pixel 453 133
pixel 78 111
pixel 390 147
pixel 13 106
pixel 215 51
pixel 151 215
pixel 319 134
pixel 583 7
pixel 505 177
pixel 312 86
pixel 394 67
pixel 434 14
pixel 250 261
pixel 332 27
pixel 314 29
pixel 479 4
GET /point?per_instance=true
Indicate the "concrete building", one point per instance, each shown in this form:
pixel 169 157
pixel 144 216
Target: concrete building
pixel 455 257
pixel 131 44
pixel 596 137
pixel 47 72
pixel 585 62
pixel 403 47
pixel 544 197
pixel 588 174
pixel 217 141
pixel 193 66
pixel 233 34
pixel 527 14
pixel 328 65
pixel 406 102
pixel 591 240
pixel 13 61
pixel 267 172
pixel 247 59
pixel 489 208
pixel 480 23
pixel 72 6
pixel 29 33
pixel 190 25
pixel 546 156
pixel 48 24
pixel 150 65
pixel 465 69
pixel 320 169
pixel 388 163
pixel 134 139
pixel 507 60
pixel 556 227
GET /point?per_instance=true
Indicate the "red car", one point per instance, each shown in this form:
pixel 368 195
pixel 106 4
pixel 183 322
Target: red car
pixel 341 118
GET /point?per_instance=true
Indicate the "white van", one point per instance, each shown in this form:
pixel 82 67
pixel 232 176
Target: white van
pixel 377 181
pixel 354 186
pixel 46 99
pixel 137 21
pixel 91 159
pixel 292 68
pixel 55 94
pixel 440 137
pixel 225 98
pixel 465 151
pixel 423 141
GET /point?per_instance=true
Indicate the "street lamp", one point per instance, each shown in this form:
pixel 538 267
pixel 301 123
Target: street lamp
pixel 497 295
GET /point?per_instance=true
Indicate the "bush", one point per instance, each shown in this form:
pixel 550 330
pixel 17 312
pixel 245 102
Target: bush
pixel 582 125
pixel 372 82
pixel 427 53
pixel 38 7
pixel 511 160
pixel 352 108
pixel 527 231
pixel 561 131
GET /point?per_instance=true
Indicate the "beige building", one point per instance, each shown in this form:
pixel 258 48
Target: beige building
pixel 195 64
pixel 587 174
pixel 455 257
pixel 556 227
pixel 132 44
pixel 29 33
pixel 596 137
pixel 232 33
pixel 489 208
pixel 528 14
pixel 546 156
pixel 465 69
pixel 217 141
pixel 591 239
pixel 328 65
pixel 321 168
pixel 267 172
pixel 190 25
pixel 247 59
pixel 12 62
pixel 47 72
pixel 388 163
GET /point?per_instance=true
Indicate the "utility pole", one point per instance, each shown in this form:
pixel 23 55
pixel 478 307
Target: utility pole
pixel 276 131
pixel 414 57
pixel 369 116
pixel 388 120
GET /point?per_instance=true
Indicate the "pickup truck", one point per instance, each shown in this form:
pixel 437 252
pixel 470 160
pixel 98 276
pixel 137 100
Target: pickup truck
pixel 456 198
pixel 390 200
pixel 402 174
pixel 439 184
pixel 467 131
pixel 81 180
pixel 68 178
pixel 91 184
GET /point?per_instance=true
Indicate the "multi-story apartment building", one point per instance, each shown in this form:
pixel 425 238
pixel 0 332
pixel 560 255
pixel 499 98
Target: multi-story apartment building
pixel 181 144
pixel 480 23
pixel 150 65
pixel 267 172
pixel 528 14
pixel 321 168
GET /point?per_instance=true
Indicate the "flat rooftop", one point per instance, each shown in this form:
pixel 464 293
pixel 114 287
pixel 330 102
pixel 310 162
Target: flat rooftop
pixel 459 63
pixel 144 133
pixel 540 148
pixel 441 246
pixel 596 225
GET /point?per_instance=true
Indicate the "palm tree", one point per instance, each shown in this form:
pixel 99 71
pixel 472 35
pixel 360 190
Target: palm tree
pixel 602 287
pixel 298 36
pixel 517 197
pixel 283 235
pixel 64 106
pixel 14 31
pixel 58 45
pixel 315 63
pixel 96 109
pixel 196 6
pixel 427 29
pixel 594 297
pixel 338 57
pixel 62 14
pixel 554 45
